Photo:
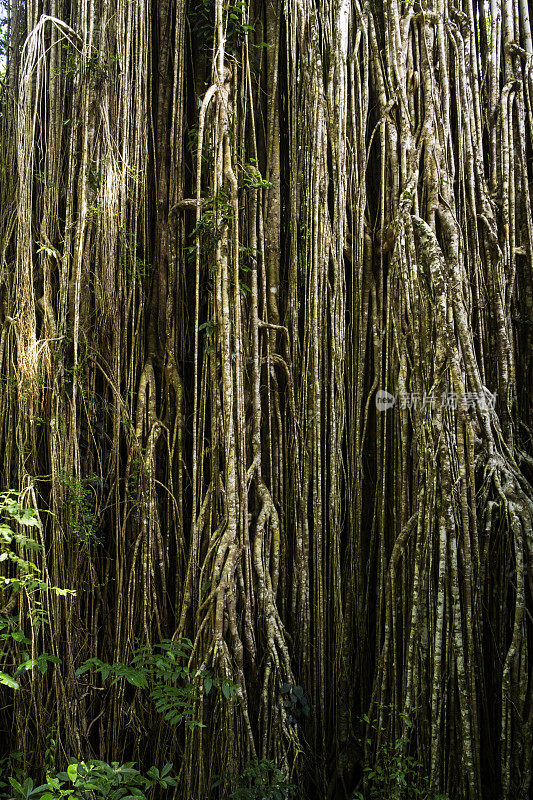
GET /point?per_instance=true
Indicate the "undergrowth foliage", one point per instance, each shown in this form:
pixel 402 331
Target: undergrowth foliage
pixel 92 780
pixel 394 773
pixel 259 780
pixel 23 588
pixel 162 670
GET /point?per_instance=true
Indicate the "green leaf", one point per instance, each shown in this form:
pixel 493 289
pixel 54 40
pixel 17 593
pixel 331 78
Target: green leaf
pixel 208 683
pixel 226 690
pixel 27 786
pixel 39 789
pixel 25 666
pixel 72 772
pixel 7 680
pixel 136 678
pixel 16 785
pixel 28 518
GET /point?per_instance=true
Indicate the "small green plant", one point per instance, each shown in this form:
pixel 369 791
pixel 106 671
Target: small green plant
pixel 227 688
pixel 11 766
pixel 251 177
pixel 138 472
pixel 40 662
pixel 208 153
pixel 14 519
pixel 69 63
pixel 50 251
pixel 259 780
pixel 49 758
pixel 163 671
pixel 201 14
pixel 393 773
pixel 94 175
pixel 99 64
pixel 208 328
pixel 21 575
pixel 92 780
pixel 42 178
pixel 80 501
pixel 295 703
pixel 135 266
pixel 217 212
pixel 202 19
pixel 4 40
